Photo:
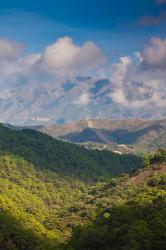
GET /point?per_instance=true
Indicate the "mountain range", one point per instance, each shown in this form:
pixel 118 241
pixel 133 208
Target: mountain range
pixel 122 135
pixel 82 98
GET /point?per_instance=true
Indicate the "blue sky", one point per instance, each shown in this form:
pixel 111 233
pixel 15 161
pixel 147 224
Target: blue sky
pixel 119 27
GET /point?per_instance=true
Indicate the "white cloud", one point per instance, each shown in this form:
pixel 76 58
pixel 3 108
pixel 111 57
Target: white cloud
pixel 118 96
pixel 65 59
pixel 118 75
pixel 136 84
pixel 82 100
pixel 142 84
pixel 9 50
pixel 60 61
pixel 154 54
pixel 119 70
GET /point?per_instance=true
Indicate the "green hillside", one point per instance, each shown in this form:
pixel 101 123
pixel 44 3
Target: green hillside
pixel 39 209
pixel 131 211
pixel 34 205
pixel 42 209
pixel 132 215
pixel 65 158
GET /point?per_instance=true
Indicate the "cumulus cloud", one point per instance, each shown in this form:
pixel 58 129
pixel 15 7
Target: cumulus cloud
pixel 60 61
pixel 118 79
pixel 64 58
pixel 142 84
pixel 119 70
pixel 135 83
pixel 154 54
pixel 9 50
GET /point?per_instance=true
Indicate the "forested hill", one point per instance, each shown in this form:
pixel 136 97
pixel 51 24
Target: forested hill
pixel 133 215
pixel 42 210
pixel 64 158
pixel 49 200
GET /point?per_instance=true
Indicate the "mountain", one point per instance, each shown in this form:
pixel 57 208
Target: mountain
pixel 82 98
pixel 63 157
pixel 122 135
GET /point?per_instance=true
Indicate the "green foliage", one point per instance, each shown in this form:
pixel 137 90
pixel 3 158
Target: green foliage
pixel 65 158
pixel 157 180
pixel 146 159
pixel 40 208
pixel 138 222
pixel 31 205
pixel 159 156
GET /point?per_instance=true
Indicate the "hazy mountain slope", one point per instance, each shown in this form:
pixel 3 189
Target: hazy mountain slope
pixel 147 135
pixel 84 98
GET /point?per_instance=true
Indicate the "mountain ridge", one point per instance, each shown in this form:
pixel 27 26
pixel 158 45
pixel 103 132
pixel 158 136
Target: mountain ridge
pixel 83 98
pixel 139 134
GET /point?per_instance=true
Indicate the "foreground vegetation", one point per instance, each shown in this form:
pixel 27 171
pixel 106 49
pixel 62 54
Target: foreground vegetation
pixel 134 218
pixel 42 209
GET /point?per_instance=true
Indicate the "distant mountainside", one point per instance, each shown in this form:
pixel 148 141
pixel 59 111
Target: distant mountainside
pixel 83 98
pixel 123 135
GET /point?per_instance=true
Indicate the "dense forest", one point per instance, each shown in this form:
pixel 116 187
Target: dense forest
pixel 42 209
pixel 65 158
pixel 134 218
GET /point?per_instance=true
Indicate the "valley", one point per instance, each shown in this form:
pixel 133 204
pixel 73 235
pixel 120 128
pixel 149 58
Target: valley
pixel 59 196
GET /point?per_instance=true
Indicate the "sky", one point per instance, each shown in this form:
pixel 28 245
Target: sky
pixel 51 42
pixel 119 27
